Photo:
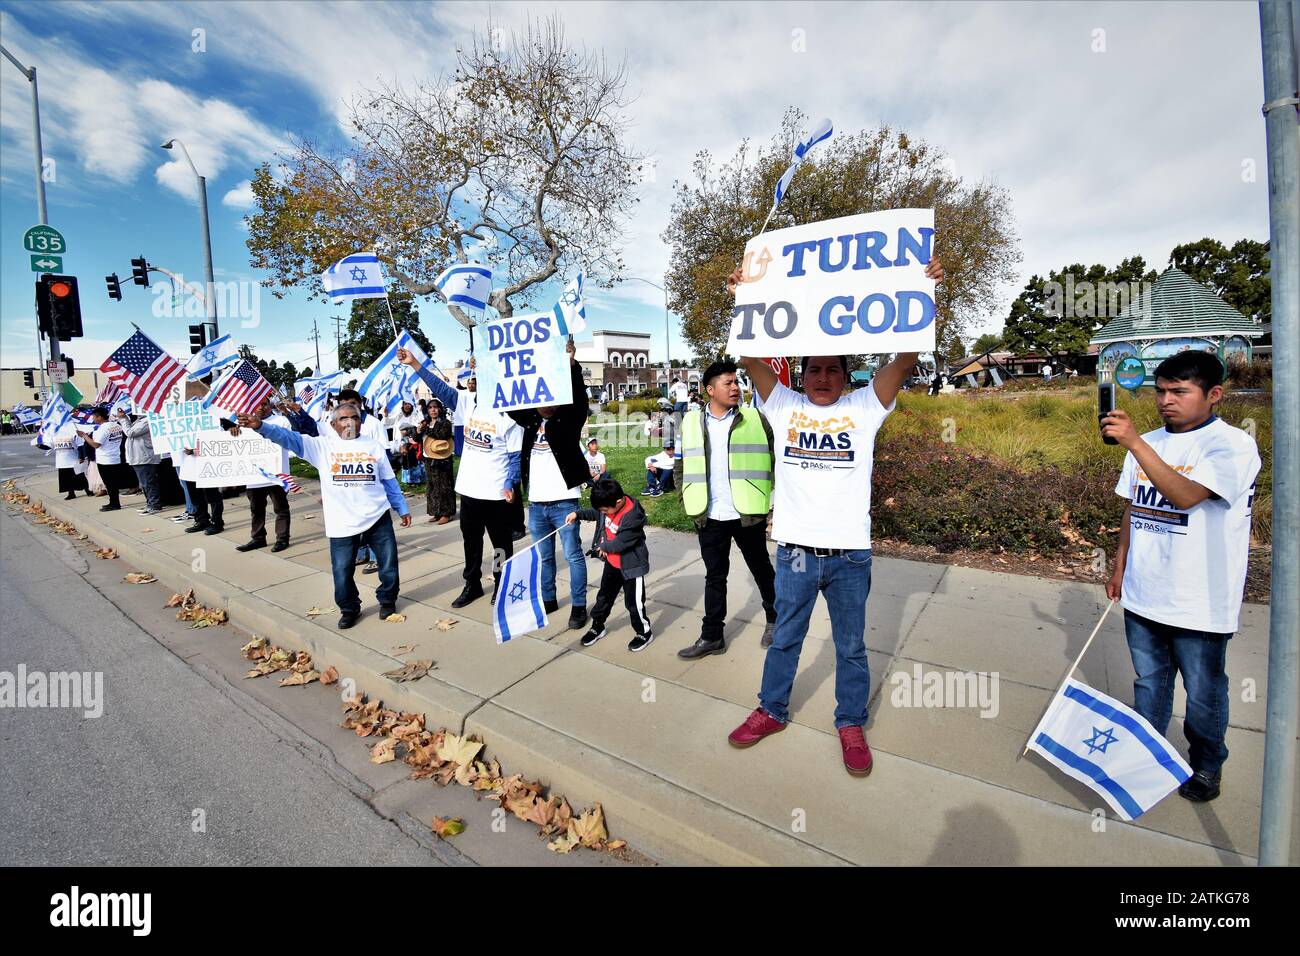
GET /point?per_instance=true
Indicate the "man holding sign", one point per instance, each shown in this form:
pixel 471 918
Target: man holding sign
pixel 844 286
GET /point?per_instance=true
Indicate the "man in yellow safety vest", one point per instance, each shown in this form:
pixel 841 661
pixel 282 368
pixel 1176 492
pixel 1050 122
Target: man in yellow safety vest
pixel 727 490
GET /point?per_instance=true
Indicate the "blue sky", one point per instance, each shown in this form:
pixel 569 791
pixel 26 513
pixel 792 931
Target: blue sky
pixel 1151 140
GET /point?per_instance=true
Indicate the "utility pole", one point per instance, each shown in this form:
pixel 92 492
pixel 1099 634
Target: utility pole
pixel 338 341
pixel 1281 101
pixel 210 299
pixel 40 197
pixel 315 337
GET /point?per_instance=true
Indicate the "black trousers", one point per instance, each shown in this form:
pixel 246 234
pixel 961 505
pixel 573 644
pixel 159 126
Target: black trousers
pixel 494 517
pixel 715 549
pixel 209 507
pixel 116 478
pixel 517 522
pixel 611 582
pixel 257 507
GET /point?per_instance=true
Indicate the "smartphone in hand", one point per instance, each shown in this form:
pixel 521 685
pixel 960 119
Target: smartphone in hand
pixel 1105 405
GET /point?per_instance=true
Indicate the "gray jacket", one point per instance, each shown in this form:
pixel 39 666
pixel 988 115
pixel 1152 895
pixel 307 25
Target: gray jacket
pixel 139 446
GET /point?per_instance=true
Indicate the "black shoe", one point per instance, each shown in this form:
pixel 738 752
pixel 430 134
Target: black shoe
pixel 519 535
pixel 640 642
pixel 197 527
pixel 110 507
pixel 702 648
pixel 577 618
pixel 551 606
pixel 387 609
pixel 370 568
pixel 596 633
pixel 473 591
pixel 251 546
pixel 1200 787
pixel 280 546
pixel 69 496
pixel 214 529
pixel 768 630
pixel 347 620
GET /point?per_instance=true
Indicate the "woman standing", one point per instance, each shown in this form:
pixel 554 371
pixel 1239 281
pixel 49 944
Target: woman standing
pixel 67 458
pixel 436 436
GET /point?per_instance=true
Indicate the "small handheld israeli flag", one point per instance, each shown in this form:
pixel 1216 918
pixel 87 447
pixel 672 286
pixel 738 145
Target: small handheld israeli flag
pixel 26 416
pixel 819 132
pixel 387 376
pixel 1115 751
pixel 358 276
pixel 466 284
pixel 519 607
pixel 571 310
pixel 213 356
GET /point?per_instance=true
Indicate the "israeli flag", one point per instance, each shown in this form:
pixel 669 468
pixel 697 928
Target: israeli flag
pixel 387 378
pixel 27 416
pixel 519 607
pixel 358 276
pixel 466 284
pixel 819 132
pixel 571 310
pixel 311 393
pixel 213 356
pixel 1100 742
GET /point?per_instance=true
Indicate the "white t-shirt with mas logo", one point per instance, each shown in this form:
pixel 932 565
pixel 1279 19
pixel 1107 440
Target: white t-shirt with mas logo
pixel 1188 568
pixel 484 462
pixel 352 477
pixel 822 497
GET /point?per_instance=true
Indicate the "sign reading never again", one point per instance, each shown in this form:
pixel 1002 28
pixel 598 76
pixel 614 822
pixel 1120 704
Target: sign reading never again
pixel 525 364
pixel 854 285
pixel 223 461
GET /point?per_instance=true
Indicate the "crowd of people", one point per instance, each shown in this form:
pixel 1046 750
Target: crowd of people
pixel 797 471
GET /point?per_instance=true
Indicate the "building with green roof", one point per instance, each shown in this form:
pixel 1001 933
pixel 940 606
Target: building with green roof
pixel 1174 314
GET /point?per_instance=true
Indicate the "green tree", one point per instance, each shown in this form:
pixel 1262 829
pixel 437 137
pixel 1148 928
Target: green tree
pixel 517 155
pixel 279 376
pixel 1057 316
pixel 988 342
pixel 369 330
pixel 715 214
pixel 1239 276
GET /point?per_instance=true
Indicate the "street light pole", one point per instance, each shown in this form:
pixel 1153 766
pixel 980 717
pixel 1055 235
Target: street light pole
pixel 40 196
pixel 668 361
pixel 210 300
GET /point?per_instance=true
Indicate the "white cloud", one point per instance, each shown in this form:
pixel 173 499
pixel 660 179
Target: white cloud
pixel 241 197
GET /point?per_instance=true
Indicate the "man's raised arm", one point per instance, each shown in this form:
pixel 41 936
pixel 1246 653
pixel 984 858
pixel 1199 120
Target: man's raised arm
pixel 441 390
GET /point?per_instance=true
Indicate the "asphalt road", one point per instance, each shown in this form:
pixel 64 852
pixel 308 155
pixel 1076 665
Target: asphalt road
pixel 190 763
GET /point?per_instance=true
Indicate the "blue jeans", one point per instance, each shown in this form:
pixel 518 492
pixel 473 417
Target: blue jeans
pixel 343 558
pixel 185 488
pixel 845 580
pixel 1160 650
pixel 148 479
pixel 658 479
pixel 543 518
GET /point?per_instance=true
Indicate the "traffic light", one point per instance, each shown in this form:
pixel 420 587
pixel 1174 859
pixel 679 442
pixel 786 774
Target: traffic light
pixel 140 271
pixel 198 338
pixel 29 378
pixel 58 306
pixel 67 363
pixel 114 287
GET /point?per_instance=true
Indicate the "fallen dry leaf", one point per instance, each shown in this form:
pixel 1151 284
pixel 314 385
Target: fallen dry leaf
pixel 330 676
pixel 590 827
pixel 565 843
pixel 448 828
pixel 395 619
pixel 403 648
pixel 139 577
pixel 177 600
pixel 459 750
pixel 297 678
pixel 314 611
pixel 146 530
pixel 446 624
pixel 385 751
pixel 108 554
pixel 412 671
pixel 616 845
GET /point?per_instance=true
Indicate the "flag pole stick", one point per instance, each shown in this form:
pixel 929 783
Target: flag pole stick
pixel 1068 674
pixel 391 320
pixel 770 213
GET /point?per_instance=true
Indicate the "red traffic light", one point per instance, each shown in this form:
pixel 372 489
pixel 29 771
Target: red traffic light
pixel 60 289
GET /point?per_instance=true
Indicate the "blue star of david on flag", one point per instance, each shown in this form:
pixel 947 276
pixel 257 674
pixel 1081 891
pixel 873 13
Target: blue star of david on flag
pixel 1100 740
pixel 358 276
pixel 520 579
pixel 517 592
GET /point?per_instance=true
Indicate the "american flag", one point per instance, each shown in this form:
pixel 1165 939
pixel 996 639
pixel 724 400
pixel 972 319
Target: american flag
pixel 242 390
pixel 143 370
pixel 286 481
pixel 108 394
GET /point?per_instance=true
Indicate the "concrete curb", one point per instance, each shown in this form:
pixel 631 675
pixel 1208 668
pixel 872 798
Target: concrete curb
pixel 659 818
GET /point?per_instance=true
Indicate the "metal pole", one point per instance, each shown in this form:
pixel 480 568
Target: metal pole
pixel 210 299
pixel 1280 107
pixel 315 335
pixel 668 354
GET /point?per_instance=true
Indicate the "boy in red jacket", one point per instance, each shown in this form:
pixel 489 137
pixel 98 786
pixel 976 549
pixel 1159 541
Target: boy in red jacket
pixel 627 560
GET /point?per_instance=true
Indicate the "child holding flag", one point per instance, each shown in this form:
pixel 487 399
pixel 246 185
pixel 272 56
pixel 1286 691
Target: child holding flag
pixel 622 545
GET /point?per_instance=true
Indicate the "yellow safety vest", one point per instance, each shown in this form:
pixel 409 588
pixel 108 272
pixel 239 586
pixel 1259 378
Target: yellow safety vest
pixel 749 464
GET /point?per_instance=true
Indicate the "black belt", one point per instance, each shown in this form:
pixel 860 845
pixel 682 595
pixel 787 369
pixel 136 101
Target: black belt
pixel 817 552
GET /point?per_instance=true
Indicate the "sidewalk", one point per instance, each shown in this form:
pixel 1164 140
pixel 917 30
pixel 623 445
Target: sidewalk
pixel 645 734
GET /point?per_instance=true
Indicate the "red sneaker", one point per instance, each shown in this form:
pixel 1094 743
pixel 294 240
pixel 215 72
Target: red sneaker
pixel 857 755
pixel 757 725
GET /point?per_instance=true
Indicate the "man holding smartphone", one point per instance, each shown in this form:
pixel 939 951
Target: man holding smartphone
pixel 1180 568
